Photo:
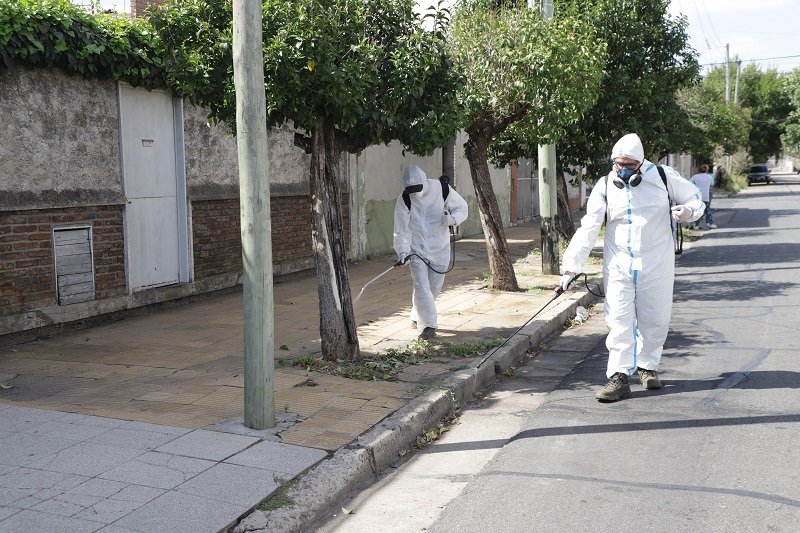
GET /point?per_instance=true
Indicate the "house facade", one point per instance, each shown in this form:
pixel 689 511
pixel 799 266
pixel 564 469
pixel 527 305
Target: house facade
pixel 113 197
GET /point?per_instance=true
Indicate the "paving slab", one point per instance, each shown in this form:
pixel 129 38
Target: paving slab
pixel 210 445
pixel 283 459
pixel 178 512
pixel 136 425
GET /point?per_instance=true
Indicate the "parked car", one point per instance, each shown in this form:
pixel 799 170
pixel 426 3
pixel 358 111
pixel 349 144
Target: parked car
pixel 758 173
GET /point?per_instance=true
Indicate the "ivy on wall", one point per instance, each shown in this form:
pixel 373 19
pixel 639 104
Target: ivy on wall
pixel 56 34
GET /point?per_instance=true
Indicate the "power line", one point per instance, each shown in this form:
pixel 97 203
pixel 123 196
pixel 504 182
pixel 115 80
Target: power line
pixel 752 60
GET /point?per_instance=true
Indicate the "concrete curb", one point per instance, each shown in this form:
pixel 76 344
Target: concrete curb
pixel 361 462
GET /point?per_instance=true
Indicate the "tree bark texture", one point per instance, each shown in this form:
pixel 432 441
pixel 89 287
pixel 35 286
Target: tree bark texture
pixel 500 265
pixel 550 252
pixel 337 324
pixel 564 223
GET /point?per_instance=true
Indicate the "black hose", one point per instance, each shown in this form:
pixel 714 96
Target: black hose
pixel 428 263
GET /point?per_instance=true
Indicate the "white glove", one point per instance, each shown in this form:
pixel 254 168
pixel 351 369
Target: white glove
pixel 567 281
pixel 448 220
pixel 681 213
pixel 401 260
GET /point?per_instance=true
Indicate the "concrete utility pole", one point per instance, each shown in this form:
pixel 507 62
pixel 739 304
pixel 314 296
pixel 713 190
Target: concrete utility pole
pixel 727 74
pixel 251 142
pixel 548 188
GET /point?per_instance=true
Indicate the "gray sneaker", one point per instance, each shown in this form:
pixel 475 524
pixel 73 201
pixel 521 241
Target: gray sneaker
pixel 427 334
pixel 617 388
pixel 649 379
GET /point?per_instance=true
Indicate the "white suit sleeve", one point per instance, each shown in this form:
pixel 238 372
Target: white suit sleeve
pixel 457 206
pixel 402 229
pixel 684 192
pixel 585 237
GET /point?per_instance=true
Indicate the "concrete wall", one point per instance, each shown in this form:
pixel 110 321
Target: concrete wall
pixel 58 141
pixel 376 181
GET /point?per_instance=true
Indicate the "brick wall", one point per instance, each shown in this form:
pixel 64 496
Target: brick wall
pixel 138 6
pixel 217 236
pixel 27 278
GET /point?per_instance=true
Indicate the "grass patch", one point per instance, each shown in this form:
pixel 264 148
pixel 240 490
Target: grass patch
pixel 392 361
pixel 484 277
pixel 538 290
pixel 280 498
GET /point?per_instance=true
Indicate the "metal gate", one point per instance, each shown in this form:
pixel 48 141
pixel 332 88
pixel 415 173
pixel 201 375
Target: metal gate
pixel 151 187
pixel 527 193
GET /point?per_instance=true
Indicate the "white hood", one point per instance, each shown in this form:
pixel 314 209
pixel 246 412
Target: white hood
pixel 629 146
pixel 413 175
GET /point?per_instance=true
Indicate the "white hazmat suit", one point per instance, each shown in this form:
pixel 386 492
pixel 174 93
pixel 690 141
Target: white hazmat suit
pixel 423 229
pixel 638 254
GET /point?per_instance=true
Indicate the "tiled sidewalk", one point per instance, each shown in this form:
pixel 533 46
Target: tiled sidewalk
pixel 112 387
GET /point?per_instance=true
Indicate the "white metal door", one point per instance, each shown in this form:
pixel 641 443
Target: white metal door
pixel 150 180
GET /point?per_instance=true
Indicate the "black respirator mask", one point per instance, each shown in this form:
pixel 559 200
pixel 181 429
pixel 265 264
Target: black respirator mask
pixel 628 176
pixel 411 189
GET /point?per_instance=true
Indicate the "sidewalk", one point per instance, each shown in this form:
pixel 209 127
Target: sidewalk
pixel 137 425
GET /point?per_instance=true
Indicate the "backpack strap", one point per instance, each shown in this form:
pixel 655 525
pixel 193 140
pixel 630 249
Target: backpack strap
pixel 677 229
pixel 445 182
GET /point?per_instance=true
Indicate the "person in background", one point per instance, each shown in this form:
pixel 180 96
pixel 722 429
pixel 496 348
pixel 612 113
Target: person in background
pixel 705 181
pixel 423 216
pixel 638 259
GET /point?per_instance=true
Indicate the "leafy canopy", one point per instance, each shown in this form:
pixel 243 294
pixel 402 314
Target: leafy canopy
pixel 710 122
pixel 791 137
pixel 368 67
pixel 765 93
pixel 525 78
pixel 56 34
pixel 649 60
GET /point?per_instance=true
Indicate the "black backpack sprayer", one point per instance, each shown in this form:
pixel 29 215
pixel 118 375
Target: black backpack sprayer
pixel 445 181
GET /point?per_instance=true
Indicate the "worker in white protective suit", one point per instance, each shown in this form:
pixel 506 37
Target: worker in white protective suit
pixel 641 218
pixel 423 216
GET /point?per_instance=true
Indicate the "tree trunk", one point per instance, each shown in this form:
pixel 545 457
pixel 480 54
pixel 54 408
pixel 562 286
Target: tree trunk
pixel 564 223
pixel 502 270
pixel 337 324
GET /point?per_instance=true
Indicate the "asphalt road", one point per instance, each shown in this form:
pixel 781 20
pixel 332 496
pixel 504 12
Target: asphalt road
pixel 716 450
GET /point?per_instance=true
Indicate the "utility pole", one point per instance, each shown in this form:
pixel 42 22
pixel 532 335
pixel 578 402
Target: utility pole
pixel 728 95
pixel 548 188
pixel 736 84
pixel 727 74
pixel 251 142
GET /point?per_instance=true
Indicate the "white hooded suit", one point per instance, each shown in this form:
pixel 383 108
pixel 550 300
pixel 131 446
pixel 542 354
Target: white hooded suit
pixel 639 256
pixel 424 230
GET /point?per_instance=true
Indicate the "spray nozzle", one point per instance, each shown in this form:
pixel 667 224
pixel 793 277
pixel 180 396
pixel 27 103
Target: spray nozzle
pixel 558 290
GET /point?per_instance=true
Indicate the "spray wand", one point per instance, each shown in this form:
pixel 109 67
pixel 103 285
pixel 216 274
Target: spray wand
pixel 558 292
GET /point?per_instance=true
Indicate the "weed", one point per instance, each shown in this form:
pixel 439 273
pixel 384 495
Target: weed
pixel 538 290
pixel 392 361
pixel 484 276
pixel 306 361
pixel 280 498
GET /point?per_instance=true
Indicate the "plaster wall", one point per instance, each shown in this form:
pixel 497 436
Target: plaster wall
pixel 212 170
pixel 58 141
pixel 376 181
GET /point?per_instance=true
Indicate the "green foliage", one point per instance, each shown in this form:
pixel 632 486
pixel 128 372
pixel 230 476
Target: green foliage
pixel 711 122
pixel 649 60
pixel 393 360
pixel 791 137
pixel 56 34
pixel 370 68
pixel 765 93
pixel 526 78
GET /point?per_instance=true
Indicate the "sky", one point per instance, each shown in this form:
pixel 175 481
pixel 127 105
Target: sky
pixel 760 31
pixel 764 32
